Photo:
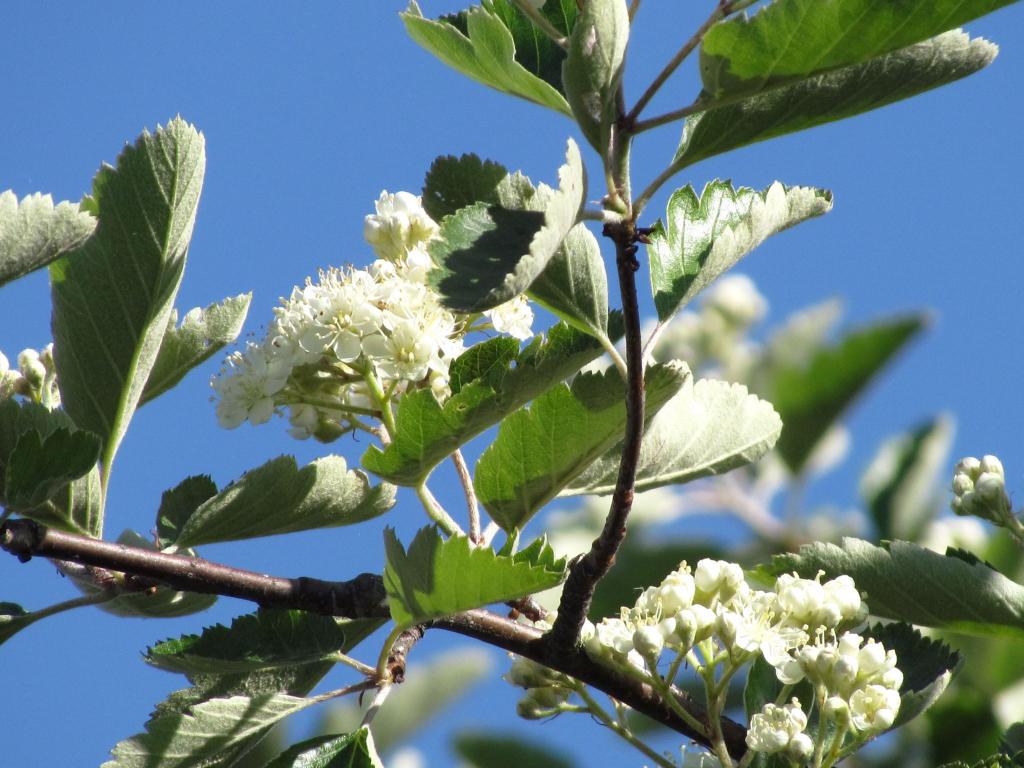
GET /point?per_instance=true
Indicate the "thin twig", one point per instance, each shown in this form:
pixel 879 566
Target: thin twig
pixel 436 512
pixel 467 488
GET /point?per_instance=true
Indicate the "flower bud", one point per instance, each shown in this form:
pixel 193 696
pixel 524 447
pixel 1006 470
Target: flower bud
pixel 800 748
pixel 648 642
pixel 991 464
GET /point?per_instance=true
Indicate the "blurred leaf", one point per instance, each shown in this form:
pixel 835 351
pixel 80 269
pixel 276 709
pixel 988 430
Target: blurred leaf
pixel 908 583
pixel 203 332
pixel 428 690
pixel 487 254
pixel 574 285
pixel 927 665
pixel 486 53
pixel 278 497
pixel 266 638
pixel 353 750
pixel 900 487
pixel 593 68
pixel 489 381
pixel 707 429
pixel 801 335
pixel 832 96
pixel 707 235
pixel 452 183
pixel 810 398
pixel 491 750
pixel 13 618
pixel 1013 739
pixel 34 232
pixel 963 726
pixel 178 504
pixel 541 449
pixel 791 40
pixel 113 295
pixel 437 577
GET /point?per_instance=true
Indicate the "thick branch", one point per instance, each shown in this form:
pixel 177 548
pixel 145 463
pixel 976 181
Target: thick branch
pixel 363 596
pixel 588 570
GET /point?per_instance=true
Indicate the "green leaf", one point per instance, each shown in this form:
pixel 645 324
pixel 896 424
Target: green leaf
pixel 353 750
pixel 486 52
pixel 541 449
pixel 900 487
pixel 428 690
pixel 833 96
pixel 593 68
pixel 438 577
pixel 707 235
pixel 13 618
pixel 75 508
pixel 490 750
pixel 574 285
pixel 113 295
pixel 34 232
pixel 1013 739
pixel 762 686
pixel 908 583
pixel 489 381
pixel 708 428
pixel 453 183
pixel 487 254
pixel 266 638
pixel 178 504
pixel 278 497
pixel 537 52
pixel 927 665
pixel 790 40
pixel 203 332
pixel 810 398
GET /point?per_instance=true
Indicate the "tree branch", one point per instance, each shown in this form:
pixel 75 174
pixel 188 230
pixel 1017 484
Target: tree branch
pixel 361 597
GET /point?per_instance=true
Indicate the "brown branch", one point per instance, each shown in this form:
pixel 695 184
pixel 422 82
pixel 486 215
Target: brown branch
pixel 363 596
pixel 400 650
pixel 586 571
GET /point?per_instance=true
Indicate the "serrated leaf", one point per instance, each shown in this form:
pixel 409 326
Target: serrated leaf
pixel 900 487
pixel 574 285
pixel 704 236
pixel 908 583
pixel 487 254
pixel 593 68
pixel 927 666
pixel 541 449
pixel 178 504
pixel 455 182
pixel 112 296
pixel 486 52
pixel 810 398
pixel 833 96
pixel 491 750
pixel 437 577
pixel 266 638
pixel 34 232
pixel 278 497
pixel 708 428
pixel 202 333
pixel 489 381
pixel 13 618
pixel 791 40
pixel 352 750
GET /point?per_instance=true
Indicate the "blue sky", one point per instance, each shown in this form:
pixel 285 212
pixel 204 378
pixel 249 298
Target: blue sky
pixel 309 110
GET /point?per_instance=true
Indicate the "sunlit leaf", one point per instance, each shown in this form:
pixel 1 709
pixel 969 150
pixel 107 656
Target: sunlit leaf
pixel 352 750
pixel 574 285
pixel 34 232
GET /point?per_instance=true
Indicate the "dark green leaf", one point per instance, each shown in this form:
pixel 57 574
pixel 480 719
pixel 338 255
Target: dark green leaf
pixel 487 254
pixel 427 432
pixel 113 295
pixel 178 504
pixel 491 750
pixel 203 332
pixel 267 638
pixel 453 183
pixel 574 285
pixel 833 96
pixel 537 52
pixel 438 577
pixel 707 235
pixel 33 232
pixel 353 750
pixel 762 686
pixel 13 618
pixel 483 50
pixel 794 39
pixel 39 467
pixel 900 487
pixel 278 497
pixel 593 68
pixel 541 449
pixel 1013 739
pixel 810 398
pixel 707 429
pixel 908 583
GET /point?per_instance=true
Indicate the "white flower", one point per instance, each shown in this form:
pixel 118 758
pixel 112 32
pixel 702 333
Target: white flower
pixel 514 317
pixel 399 225
pixel 648 641
pixel 717 579
pixel 874 708
pixel 773 728
pixel 246 385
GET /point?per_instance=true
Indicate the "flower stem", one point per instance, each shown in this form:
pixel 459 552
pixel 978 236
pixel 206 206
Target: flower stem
pixel 436 512
pixel 467 488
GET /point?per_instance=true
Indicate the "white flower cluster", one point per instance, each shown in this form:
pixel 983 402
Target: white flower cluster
pixel 781 729
pixel 341 345
pixel 979 489
pixel 35 377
